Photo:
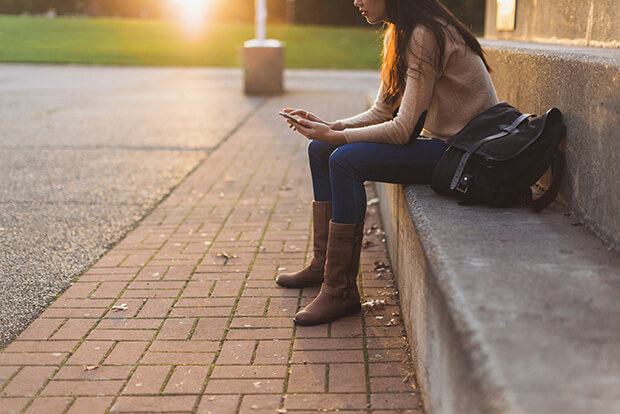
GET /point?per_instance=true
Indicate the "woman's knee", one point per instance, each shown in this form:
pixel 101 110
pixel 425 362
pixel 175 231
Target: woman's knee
pixel 343 159
pixel 318 150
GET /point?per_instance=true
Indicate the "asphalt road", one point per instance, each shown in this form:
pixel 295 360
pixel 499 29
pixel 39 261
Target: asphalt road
pixel 85 153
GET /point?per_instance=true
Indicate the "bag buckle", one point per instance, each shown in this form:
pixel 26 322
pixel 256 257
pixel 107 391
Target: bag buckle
pixel 464 183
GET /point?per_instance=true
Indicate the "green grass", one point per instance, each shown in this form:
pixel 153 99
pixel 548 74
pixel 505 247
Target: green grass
pixel 163 43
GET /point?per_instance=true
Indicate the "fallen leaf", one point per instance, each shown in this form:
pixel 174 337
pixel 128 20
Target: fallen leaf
pixel 375 304
pixel 380 266
pixel 90 367
pixel 119 308
pixel 408 377
pixel 226 256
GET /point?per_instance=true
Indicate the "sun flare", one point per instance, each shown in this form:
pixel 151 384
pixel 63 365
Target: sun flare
pixel 192 14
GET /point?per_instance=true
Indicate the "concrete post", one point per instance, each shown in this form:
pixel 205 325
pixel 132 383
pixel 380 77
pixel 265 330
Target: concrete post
pixel 290 11
pixel 261 20
pixel 263 59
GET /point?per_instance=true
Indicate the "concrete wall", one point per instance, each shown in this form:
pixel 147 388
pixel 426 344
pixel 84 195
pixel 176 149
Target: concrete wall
pixel 446 374
pixel 549 60
pixel 576 22
pixel 584 83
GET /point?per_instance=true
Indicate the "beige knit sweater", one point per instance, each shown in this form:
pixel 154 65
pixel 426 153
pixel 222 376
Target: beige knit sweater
pixel 453 96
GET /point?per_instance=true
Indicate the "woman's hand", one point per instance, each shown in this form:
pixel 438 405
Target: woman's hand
pixel 302 113
pixel 314 128
pixel 318 131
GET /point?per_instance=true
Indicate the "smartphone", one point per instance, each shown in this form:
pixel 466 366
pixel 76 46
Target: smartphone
pixel 290 117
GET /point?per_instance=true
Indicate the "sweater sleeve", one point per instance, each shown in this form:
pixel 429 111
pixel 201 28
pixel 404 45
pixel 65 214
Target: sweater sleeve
pixel 379 112
pixel 420 81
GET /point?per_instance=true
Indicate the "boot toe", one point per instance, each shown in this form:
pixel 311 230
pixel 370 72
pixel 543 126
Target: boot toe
pixel 284 280
pixel 304 318
pixel 306 277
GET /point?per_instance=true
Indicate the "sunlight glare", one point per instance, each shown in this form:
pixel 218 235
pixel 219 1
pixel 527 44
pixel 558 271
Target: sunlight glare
pixel 192 14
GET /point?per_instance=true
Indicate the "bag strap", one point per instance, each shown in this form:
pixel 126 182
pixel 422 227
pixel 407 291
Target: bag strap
pixel 557 168
pixel 504 130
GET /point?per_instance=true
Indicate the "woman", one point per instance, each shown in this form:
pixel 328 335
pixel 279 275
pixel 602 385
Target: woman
pixel 434 74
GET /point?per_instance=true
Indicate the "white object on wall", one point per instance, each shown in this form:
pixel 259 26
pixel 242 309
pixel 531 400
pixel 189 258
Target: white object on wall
pixel 506 12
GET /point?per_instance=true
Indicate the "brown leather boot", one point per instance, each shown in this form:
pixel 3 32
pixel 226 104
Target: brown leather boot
pixel 339 295
pixel 313 273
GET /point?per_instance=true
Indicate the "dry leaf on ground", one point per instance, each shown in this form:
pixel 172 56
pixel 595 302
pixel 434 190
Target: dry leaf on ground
pixel 381 266
pixel 374 304
pixel 366 244
pixel 227 256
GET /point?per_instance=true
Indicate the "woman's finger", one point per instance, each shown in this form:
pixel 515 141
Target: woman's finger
pixel 313 117
pixel 309 123
pixel 306 131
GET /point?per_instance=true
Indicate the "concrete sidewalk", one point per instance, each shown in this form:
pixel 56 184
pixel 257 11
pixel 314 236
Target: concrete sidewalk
pixel 183 315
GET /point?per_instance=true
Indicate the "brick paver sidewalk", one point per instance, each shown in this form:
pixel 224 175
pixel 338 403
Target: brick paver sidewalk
pixel 183 315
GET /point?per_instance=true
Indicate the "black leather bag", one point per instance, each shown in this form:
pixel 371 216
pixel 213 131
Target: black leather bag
pixel 499 155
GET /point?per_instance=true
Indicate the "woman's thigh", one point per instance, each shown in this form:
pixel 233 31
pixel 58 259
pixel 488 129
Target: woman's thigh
pixel 408 164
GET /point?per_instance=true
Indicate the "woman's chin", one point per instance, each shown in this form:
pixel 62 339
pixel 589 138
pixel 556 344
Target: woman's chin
pixel 370 20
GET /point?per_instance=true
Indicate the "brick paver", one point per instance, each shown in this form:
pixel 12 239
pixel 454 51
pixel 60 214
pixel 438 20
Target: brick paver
pixel 183 315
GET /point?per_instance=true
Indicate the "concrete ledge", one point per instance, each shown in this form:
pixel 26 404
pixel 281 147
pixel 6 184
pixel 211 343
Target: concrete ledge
pixel 583 83
pixel 507 311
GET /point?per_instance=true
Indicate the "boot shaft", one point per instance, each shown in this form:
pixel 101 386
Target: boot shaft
pixel 344 246
pixel 321 216
pixel 312 274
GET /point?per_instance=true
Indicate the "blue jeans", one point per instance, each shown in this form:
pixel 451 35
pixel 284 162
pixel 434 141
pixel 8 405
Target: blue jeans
pixel 339 172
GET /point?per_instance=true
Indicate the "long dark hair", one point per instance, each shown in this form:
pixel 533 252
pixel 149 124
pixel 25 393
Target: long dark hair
pixel 403 16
